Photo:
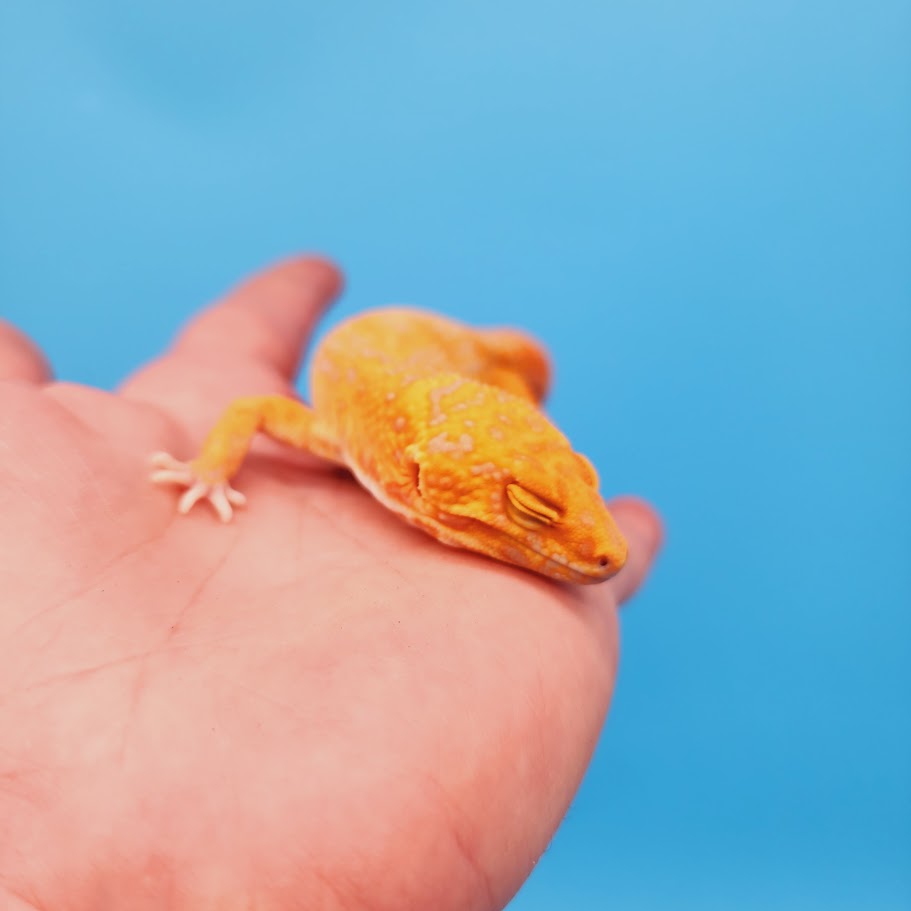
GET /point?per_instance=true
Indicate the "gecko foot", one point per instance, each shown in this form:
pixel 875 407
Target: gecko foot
pixel 220 494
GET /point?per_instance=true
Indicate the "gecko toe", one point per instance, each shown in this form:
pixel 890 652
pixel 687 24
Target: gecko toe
pixel 235 497
pixel 192 496
pixel 219 500
pixel 171 476
pixel 166 461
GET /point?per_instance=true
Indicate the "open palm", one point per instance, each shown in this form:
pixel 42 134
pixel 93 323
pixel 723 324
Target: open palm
pixel 312 707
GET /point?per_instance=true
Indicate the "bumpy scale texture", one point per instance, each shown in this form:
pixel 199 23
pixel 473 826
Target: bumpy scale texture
pixel 441 423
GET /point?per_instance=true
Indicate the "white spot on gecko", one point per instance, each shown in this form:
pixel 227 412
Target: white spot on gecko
pixel 436 408
pixel 514 555
pixel 442 443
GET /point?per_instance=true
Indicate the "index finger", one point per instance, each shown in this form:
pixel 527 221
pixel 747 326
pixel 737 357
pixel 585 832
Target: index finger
pixel 249 343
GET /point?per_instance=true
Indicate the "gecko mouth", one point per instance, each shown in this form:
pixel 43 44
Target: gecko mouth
pixel 520 553
pixel 585 574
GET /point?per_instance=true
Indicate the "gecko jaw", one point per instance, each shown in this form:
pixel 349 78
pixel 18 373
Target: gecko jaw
pixel 575 572
pixel 558 568
pixel 526 555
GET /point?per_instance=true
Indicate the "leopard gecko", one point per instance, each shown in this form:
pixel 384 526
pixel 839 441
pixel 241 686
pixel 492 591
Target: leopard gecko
pixel 441 423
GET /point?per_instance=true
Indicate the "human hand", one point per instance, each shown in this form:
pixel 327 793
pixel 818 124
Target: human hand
pixel 313 707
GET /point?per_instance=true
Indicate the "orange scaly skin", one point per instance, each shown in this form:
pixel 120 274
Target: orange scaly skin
pixel 440 422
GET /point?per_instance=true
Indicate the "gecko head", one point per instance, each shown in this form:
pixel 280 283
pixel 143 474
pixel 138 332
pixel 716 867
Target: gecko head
pixel 553 508
pixel 515 490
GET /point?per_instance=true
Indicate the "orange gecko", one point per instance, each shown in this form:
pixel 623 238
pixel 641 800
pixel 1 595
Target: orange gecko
pixel 440 422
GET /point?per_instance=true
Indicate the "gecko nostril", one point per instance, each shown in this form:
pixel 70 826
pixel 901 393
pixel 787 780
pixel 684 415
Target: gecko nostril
pixel 603 562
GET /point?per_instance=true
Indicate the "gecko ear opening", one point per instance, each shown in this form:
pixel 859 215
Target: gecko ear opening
pixel 528 509
pixel 413 468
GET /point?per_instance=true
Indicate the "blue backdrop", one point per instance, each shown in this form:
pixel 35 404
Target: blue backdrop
pixel 704 208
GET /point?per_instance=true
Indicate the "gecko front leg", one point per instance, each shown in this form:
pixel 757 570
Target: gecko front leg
pixel 207 476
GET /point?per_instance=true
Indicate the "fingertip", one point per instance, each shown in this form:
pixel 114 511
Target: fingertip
pixel 254 336
pixel 281 305
pixel 20 357
pixel 328 270
pixel 310 272
pixel 638 518
pixel 644 531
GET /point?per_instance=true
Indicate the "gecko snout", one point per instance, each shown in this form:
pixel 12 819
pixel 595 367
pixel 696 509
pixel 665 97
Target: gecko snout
pixel 606 565
pixel 609 557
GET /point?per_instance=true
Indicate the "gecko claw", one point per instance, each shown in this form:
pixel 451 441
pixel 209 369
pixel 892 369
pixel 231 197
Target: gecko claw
pixel 220 494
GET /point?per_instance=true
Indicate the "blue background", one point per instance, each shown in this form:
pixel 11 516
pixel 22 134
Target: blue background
pixel 703 207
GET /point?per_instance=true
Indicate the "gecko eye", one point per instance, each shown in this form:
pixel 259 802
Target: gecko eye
pixel 528 509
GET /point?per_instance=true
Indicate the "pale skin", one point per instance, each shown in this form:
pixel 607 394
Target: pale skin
pixel 315 706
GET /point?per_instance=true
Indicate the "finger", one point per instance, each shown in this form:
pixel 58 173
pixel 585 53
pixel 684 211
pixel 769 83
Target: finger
pixel 249 343
pixel 268 319
pixel 644 533
pixel 20 358
pixel 134 425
